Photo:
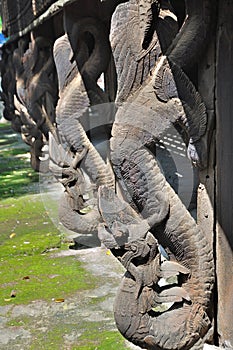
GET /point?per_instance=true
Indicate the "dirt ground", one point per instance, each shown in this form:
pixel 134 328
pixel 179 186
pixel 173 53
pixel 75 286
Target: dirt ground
pixel 42 325
pixel 29 225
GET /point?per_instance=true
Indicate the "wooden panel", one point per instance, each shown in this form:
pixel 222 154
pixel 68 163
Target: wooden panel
pixel 206 189
pixel 20 13
pixel 224 168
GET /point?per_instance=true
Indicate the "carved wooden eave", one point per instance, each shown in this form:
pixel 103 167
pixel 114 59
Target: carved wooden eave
pixel 54 9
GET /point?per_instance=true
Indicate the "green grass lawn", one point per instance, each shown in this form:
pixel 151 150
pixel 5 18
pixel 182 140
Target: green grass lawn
pixel 27 235
pixel 28 267
pixel 16 174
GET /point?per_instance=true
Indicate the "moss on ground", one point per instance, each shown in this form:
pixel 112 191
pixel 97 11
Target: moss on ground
pixel 28 266
pixel 41 277
pixel 105 340
pixel 16 174
pixel 26 227
pixel 95 338
pixel 28 235
pixel 22 321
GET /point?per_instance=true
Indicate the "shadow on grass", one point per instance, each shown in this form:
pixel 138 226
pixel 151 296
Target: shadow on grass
pixel 16 175
pixel 27 234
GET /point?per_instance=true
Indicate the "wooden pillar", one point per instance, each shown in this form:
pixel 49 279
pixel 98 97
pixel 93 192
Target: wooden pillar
pixel 206 188
pixel 224 170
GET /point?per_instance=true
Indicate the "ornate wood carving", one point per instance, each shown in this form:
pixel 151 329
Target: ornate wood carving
pixel 164 300
pixel 156 96
pixel 30 92
pixel 19 14
pixel 78 91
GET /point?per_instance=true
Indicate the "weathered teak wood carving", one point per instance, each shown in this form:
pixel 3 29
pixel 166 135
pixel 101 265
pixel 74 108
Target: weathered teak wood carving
pixel 164 300
pixel 32 95
pixel 162 96
pixel 74 102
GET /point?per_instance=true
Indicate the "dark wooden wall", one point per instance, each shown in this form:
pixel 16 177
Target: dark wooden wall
pixel 224 170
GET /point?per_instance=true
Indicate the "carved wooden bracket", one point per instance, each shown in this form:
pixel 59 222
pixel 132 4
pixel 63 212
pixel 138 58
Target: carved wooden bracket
pixel 144 57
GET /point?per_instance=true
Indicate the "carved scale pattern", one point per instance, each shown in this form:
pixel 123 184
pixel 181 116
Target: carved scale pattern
pixel 163 97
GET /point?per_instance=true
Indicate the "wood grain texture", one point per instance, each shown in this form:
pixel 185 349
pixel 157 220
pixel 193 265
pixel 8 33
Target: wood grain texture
pixel 153 105
pixel 224 105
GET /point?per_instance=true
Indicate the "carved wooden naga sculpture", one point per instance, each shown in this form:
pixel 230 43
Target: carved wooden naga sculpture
pixel 35 94
pixel 147 218
pixel 154 93
pixel 78 90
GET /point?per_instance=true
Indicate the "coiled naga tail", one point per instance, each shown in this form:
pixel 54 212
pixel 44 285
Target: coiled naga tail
pixel 76 155
pixel 151 218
